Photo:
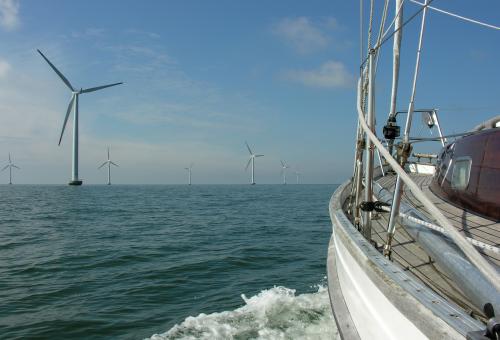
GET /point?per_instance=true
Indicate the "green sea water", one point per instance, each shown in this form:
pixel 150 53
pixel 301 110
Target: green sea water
pixel 167 262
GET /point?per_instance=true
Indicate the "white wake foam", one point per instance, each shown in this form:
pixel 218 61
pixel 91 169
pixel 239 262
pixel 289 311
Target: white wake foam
pixel 272 314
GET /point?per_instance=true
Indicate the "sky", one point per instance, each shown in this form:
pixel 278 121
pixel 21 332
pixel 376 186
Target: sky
pixel 203 77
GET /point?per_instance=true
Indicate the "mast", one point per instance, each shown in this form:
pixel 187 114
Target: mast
pixel 391 129
pixel 396 56
pixel 406 146
pixel 369 154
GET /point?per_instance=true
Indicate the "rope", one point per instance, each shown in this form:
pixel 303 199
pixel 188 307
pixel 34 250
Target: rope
pixel 432 226
pixel 370 25
pixel 458 16
pixel 361 31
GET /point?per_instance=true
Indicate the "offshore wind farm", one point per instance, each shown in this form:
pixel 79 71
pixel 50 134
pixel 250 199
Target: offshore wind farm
pixel 192 201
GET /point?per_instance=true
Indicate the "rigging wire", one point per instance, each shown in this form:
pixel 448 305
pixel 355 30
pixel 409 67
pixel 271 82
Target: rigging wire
pixel 458 16
pixel 398 13
pixel 361 31
pixel 376 47
pixel 381 29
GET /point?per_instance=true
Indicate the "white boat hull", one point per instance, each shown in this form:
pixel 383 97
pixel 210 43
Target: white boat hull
pixel 372 298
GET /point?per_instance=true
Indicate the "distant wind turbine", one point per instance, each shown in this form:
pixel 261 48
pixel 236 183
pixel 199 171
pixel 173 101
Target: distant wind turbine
pixel 252 160
pixel 284 166
pixel 10 166
pixel 189 173
pixel 73 105
pixel 108 162
pixel 297 173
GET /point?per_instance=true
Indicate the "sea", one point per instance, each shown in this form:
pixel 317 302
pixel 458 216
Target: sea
pixel 164 262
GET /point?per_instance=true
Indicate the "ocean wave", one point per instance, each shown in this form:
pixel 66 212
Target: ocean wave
pixel 276 313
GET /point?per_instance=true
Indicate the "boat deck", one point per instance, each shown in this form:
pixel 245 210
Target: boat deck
pixel 411 257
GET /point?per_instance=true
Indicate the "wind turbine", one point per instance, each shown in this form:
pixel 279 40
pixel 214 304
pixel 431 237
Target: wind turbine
pixel 252 160
pixel 73 106
pixel 108 162
pixel 10 166
pixel 189 173
pixel 284 166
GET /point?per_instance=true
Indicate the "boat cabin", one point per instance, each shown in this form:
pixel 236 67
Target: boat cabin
pixel 468 173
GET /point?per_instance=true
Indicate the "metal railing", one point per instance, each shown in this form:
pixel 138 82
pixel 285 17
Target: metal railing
pixel 472 254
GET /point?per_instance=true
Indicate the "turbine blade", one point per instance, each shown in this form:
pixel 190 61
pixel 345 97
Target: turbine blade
pixel 5 167
pixel 15 166
pixel 259 155
pixel 248 164
pixel 70 106
pixel 103 164
pixel 63 78
pixel 282 164
pixel 108 153
pixel 92 89
pixel 249 150
pixel 9 158
pixel 114 164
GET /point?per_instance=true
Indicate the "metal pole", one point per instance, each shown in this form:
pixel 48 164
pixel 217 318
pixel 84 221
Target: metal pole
pixel 370 119
pixel 380 162
pixel 10 174
pixel 395 63
pixel 436 121
pixel 358 165
pixel 398 190
pixel 74 176
pixel 109 173
pixel 253 170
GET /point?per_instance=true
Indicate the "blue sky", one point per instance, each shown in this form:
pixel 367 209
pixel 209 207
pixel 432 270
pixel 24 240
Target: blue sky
pixel 201 77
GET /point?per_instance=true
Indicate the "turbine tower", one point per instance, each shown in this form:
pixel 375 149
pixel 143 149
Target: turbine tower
pixel 297 173
pixel 252 160
pixel 73 106
pixel 189 173
pixel 10 166
pixel 284 166
pixel 109 163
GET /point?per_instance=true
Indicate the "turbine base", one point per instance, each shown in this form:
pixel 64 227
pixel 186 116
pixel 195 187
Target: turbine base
pixel 77 182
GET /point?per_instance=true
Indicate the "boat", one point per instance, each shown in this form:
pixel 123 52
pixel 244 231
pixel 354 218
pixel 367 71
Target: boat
pixel 414 251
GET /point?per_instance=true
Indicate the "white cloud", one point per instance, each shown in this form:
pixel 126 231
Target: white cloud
pixel 332 74
pixel 9 18
pixel 137 32
pixel 4 68
pixel 91 32
pixel 302 34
